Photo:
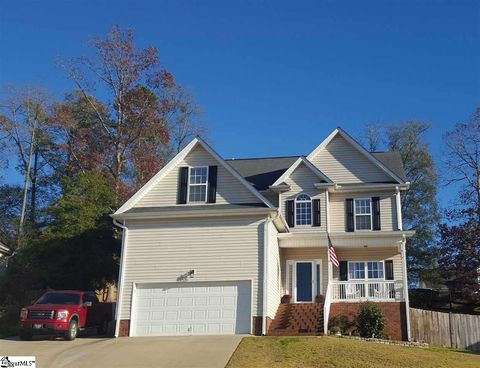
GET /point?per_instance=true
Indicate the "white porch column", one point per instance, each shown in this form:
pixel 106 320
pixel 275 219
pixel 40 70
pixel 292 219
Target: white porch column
pixel 405 285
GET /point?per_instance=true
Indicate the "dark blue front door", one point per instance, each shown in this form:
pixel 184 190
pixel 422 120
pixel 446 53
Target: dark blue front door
pixel 304 281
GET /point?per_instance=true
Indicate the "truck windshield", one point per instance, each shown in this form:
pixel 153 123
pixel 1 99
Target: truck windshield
pixel 59 298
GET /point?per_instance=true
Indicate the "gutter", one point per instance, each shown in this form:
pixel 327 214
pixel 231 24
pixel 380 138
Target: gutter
pixel 120 274
pixel 405 286
pixel 361 187
pixel 265 274
pixel 193 213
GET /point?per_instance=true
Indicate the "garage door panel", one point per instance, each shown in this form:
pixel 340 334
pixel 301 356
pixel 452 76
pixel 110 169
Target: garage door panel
pixel 196 308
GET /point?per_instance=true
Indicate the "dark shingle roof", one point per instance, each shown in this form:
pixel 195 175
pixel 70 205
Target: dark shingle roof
pixel 393 161
pixel 263 172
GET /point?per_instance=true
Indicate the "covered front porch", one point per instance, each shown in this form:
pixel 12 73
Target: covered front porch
pixel 365 274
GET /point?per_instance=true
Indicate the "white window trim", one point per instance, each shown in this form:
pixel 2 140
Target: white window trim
pixel 188 185
pixel 311 210
pixel 293 263
pixel 365 265
pixel 362 214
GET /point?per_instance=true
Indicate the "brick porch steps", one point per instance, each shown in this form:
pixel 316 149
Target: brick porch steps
pixel 299 319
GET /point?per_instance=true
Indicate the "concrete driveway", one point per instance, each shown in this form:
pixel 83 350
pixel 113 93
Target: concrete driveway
pixel 141 352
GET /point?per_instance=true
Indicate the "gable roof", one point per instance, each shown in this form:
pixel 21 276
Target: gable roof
pixel 393 161
pixel 177 159
pixel 262 172
pixel 360 148
pixel 308 164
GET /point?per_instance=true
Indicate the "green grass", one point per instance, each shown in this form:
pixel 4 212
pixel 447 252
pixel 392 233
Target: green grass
pixel 334 352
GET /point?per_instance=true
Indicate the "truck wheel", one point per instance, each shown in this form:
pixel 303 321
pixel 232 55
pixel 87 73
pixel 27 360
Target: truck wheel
pixel 25 336
pixel 72 331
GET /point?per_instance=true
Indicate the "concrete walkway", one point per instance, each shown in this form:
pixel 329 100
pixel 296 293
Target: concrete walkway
pixel 128 352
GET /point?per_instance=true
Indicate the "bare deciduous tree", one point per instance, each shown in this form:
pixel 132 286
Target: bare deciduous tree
pixel 463 161
pixel 23 124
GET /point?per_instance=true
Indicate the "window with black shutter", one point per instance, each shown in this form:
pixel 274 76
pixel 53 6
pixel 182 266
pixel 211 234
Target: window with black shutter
pixel 349 214
pixel 389 270
pixel 376 213
pixel 212 184
pixel 316 213
pixel 290 207
pixel 182 185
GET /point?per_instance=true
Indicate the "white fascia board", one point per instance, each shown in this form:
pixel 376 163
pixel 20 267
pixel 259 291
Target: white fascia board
pixel 368 187
pixel 292 168
pixel 359 147
pixel 178 158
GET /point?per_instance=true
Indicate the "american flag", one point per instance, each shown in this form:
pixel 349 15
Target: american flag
pixel 332 254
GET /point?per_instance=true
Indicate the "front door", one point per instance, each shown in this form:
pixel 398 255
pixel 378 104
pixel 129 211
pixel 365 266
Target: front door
pixel 304 282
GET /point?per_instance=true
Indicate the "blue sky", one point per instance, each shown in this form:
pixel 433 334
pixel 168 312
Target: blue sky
pixel 275 77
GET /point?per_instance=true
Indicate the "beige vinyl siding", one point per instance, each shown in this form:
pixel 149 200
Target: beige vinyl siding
pixel 388 210
pixel 274 272
pixel 302 180
pixel 343 163
pixel 218 249
pixel 229 188
pixel 307 254
pixel 371 254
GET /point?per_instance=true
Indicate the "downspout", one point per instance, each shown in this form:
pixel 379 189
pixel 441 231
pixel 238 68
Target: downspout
pixel 399 209
pixel 120 274
pixel 328 296
pixel 265 274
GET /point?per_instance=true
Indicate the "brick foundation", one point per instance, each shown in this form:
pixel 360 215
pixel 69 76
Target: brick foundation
pixel 124 328
pixel 257 326
pixel 396 327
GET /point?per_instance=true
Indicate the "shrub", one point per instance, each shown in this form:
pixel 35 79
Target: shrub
pixel 370 320
pixel 339 324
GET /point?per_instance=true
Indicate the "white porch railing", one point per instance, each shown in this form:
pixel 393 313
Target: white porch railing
pixel 367 290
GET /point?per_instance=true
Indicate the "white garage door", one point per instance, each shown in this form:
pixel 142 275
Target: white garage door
pixel 192 308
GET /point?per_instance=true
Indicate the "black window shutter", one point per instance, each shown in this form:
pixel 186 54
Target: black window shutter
pixel 212 184
pixel 389 270
pixel 316 212
pixel 182 185
pixel 376 213
pixel 290 206
pixel 349 214
pixel 343 271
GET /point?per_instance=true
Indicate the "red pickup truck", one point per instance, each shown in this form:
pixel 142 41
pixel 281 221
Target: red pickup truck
pixel 65 313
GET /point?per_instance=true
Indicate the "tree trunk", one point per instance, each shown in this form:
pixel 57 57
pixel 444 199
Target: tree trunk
pixel 25 187
pixel 33 190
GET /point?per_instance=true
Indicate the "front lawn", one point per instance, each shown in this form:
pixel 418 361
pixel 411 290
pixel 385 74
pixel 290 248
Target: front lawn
pixel 289 352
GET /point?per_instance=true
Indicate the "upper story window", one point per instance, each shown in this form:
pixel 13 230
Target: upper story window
pixel 363 214
pixel 303 210
pixel 197 184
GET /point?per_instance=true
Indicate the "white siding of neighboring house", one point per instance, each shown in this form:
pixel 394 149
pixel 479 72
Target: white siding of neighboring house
pixel 229 188
pixel 274 272
pixel 302 180
pixel 388 211
pixel 343 163
pixel 218 249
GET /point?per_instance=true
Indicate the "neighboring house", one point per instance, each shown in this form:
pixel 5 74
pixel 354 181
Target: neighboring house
pixel 212 246
pixel 5 252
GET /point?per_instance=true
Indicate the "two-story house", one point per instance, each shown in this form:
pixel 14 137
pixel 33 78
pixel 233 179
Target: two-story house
pixel 214 246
